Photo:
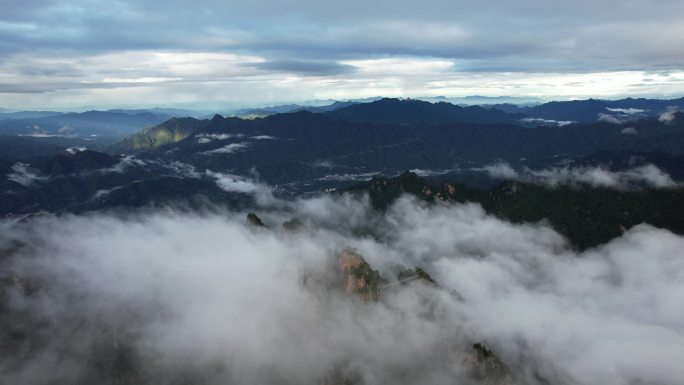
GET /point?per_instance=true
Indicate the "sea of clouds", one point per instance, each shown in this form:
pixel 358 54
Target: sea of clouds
pixel 175 295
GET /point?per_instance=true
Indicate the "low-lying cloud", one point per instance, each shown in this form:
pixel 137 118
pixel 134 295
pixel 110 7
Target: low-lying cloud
pixel 546 122
pixel 669 115
pixel 614 119
pixel 24 175
pixel 205 138
pixel 75 150
pixel 596 176
pixel 629 131
pixel 206 298
pixel 627 111
pixel 227 149
pixel 124 164
pixel 242 184
pixel 364 176
pixel 426 172
pixel 499 170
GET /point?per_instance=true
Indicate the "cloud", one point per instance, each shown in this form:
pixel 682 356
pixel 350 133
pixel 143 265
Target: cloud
pixel 646 175
pixel 75 150
pixel 546 122
pixel 100 193
pixel 241 184
pixel 263 137
pixel 499 170
pixel 649 175
pixel 42 135
pixel 125 163
pixel 236 183
pixel 308 68
pixel 181 169
pixel 205 138
pixel 205 297
pixel 261 52
pixel 669 115
pixel 627 111
pixel 629 131
pixel 365 176
pixel 24 175
pixel 227 149
pixel 621 115
pixel 323 163
pixel 424 173
pixel 614 119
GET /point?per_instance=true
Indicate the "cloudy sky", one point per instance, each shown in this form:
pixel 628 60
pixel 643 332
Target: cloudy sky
pixel 63 54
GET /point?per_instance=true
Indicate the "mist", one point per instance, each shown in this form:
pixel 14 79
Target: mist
pixel 204 297
pixel 24 175
pixel 647 175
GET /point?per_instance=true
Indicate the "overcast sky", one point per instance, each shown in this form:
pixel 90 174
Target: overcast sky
pixel 119 52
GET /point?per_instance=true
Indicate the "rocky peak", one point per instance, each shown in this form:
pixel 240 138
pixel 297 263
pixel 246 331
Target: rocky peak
pixel 359 277
pixel 485 367
pixel 254 220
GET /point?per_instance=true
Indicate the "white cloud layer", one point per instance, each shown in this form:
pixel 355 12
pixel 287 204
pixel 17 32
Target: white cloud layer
pixel 646 175
pixel 204 296
pixel 124 164
pixel 227 149
pixel 629 131
pixel 205 138
pixel 669 115
pixel 24 175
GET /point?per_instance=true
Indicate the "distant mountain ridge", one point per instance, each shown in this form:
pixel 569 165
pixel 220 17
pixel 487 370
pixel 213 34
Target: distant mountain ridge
pixel 87 180
pixel 590 110
pixel 263 112
pixel 83 124
pixel 408 111
pixel 304 146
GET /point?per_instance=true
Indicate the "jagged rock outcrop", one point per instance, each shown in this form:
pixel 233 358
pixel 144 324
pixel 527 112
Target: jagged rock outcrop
pixel 359 277
pixel 485 367
pixel 416 274
pixel 254 220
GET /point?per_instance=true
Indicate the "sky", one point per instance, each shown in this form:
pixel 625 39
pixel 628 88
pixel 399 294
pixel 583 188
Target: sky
pixel 64 54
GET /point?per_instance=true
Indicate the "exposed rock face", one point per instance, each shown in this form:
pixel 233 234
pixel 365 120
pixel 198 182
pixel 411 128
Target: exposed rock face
pixel 254 220
pixel 485 367
pixel 358 276
pixel 416 274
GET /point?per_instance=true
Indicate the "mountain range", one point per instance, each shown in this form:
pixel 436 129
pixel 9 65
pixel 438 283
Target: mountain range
pixel 355 210
pixel 113 123
pixel 306 150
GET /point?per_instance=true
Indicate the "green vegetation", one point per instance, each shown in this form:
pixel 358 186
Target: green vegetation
pixel 171 131
pixel 587 216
